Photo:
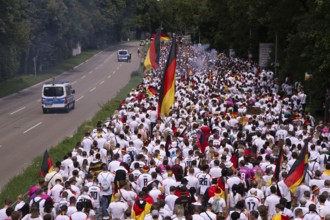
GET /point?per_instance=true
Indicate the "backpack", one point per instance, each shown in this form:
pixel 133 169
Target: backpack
pixel 105 185
pixel 36 203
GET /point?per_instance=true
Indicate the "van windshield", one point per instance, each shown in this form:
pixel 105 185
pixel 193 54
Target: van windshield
pixel 53 91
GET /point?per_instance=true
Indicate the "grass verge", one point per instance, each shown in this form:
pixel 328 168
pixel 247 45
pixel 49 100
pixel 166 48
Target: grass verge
pixel 21 82
pixel 21 183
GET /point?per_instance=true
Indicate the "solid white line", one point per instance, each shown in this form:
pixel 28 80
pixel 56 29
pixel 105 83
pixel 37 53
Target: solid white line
pixel 32 127
pixel 20 109
pixel 79 98
pixel 101 82
pixel 92 89
pixel 83 77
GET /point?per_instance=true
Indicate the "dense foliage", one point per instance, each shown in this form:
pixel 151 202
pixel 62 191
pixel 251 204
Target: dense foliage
pixel 47 30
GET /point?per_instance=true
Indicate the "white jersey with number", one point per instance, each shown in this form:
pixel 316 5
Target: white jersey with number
pixel 252 203
pixel 205 181
pixel 94 192
pixel 143 180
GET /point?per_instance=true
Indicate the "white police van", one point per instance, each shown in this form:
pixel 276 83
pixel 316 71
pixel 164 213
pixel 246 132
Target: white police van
pixel 123 56
pixel 57 95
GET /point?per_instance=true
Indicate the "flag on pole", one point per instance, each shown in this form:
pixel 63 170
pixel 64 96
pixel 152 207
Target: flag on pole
pixel 279 161
pixel 151 91
pixel 167 91
pixel 152 59
pixel 298 170
pixel 46 165
pixel 163 37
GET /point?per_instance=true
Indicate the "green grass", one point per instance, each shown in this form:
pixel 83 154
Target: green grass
pixel 21 82
pixel 21 183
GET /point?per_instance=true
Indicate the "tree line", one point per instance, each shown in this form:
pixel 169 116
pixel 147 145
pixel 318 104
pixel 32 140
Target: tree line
pixel 45 31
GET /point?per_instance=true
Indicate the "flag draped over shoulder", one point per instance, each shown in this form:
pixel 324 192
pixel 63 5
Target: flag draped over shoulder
pixel 152 59
pixel 139 211
pixel 298 170
pixel 167 91
pixel 221 186
pixel 46 165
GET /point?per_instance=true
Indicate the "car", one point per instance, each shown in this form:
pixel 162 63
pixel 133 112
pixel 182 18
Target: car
pixel 123 56
pixel 57 95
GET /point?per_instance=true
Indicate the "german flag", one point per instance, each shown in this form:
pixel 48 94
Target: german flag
pixel 151 91
pixel 221 186
pixel 167 91
pixel 210 75
pixel 280 217
pixel 298 170
pixel 279 161
pixel 46 165
pixel 152 59
pixel 234 159
pixel 163 37
pixel 139 211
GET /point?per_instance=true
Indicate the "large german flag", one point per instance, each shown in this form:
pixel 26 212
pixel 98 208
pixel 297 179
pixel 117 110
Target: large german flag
pixel 167 90
pixel 298 170
pixel 152 59
pixel 47 165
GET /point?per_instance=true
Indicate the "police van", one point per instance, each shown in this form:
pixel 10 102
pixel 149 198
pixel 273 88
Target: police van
pixel 57 95
pixel 123 56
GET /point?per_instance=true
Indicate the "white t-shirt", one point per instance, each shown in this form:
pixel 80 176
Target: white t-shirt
pixel 170 201
pixel 271 201
pixel 117 210
pixel 205 181
pixel 78 216
pixel 110 179
pixel 208 215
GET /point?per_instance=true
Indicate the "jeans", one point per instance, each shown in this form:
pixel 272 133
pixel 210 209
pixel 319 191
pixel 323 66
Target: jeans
pixel 105 204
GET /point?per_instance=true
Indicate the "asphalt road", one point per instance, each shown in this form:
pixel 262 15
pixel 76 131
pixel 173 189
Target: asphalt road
pixel 26 132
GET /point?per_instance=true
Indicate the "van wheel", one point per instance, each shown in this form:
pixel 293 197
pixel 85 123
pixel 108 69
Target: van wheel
pixel 67 109
pixel 44 110
pixel 73 105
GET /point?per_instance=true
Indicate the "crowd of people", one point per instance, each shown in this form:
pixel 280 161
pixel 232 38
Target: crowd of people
pixel 136 165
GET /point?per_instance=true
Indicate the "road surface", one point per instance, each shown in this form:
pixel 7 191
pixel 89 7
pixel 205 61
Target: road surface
pixel 26 132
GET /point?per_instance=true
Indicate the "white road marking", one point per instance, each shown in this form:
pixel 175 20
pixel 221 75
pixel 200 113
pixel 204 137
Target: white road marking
pixel 38 100
pixel 101 82
pixel 114 72
pixel 20 109
pixel 83 77
pixel 96 67
pixel 109 76
pixel 74 82
pixel 90 72
pixel 118 68
pixel 101 64
pixel 34 126
pixel 92 89
pixel 79 98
